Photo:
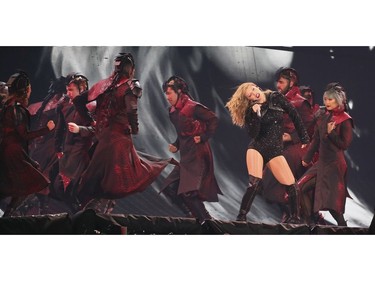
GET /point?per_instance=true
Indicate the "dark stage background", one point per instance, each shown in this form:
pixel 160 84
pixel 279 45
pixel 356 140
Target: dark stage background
pixel 213 74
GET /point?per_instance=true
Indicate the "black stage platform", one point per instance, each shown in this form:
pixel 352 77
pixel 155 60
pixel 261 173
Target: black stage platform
pixel 89 222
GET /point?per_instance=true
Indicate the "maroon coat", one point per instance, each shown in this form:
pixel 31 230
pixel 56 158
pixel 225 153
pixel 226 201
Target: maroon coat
pixel 196 169
pixel 116 169
pixel 74 146
pixel 42 149
pixel 331 168
pixel 293 152
pixel 305 111
pixel 19 173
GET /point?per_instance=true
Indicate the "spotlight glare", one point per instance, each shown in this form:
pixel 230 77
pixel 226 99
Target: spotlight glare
pixel 350 104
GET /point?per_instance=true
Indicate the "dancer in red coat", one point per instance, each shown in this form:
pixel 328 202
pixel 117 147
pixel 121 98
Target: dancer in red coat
pixel 193 181
pixel 19 174
pixel 116 169
pixel 333 135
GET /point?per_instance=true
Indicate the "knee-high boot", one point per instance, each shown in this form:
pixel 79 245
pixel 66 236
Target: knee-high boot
pixel 196 207
pixel 171 192
pixel 339 218
pixel 248 198
pixel 13 205
pixel 294 202
pixel 43 203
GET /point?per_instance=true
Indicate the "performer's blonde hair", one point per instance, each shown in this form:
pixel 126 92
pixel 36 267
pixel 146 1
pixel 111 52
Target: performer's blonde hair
pixel 239 103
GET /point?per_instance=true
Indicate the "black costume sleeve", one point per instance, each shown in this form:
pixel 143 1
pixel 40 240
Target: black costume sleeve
pixel 60 129
pixel 343 140
pixel 86 131
pixel 202 113
pixel 294 116
pixel 20 117
pixel 80 102
pixel 131 102
pixel 252 123
pixel 307 116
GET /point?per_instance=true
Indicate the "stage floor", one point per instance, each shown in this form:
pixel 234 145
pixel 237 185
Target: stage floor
pixel 89 222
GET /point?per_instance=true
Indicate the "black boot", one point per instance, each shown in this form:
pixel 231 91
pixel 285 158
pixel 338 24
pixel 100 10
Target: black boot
pixel 248 198
pixel 95 204
pixel 318 219
pixel 70 197
pixel 171 192
pixel 196 207
pixel 13 206
pixel 294 202
pixel 43 203
pixel 306 186
pixel 285 211
pixel 339 218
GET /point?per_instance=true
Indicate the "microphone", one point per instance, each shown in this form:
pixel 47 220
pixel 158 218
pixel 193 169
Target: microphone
pixel 258 113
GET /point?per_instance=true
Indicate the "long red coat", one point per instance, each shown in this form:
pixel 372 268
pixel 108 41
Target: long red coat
pixel 331 168
pixel 116 169
pixel 196 169
pixel 74 146
pixel 19 174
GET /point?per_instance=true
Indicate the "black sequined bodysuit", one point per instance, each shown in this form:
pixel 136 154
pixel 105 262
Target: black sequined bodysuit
pixel 266 131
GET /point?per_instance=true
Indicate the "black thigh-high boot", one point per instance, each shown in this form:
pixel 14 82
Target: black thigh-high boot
pixel 196 206
pixel 294 202
pixel 248 198
pixel 285 210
